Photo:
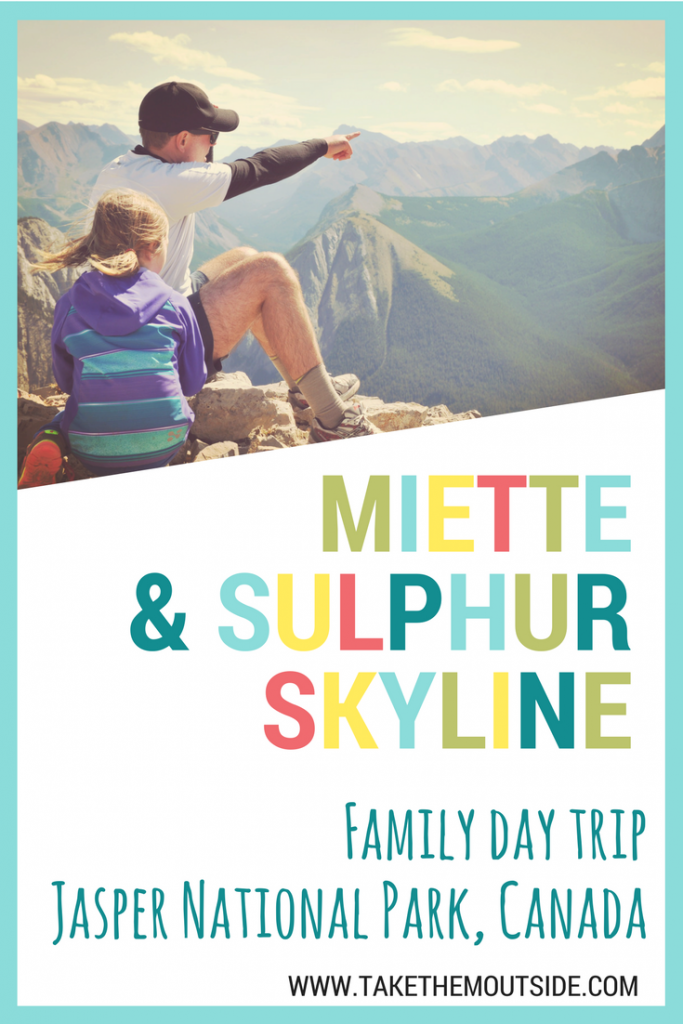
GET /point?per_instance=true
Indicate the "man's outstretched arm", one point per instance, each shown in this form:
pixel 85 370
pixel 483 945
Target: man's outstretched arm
pixel 273 165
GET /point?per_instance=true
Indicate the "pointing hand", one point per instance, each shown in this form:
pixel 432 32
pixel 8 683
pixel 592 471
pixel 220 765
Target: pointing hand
pixel 339 146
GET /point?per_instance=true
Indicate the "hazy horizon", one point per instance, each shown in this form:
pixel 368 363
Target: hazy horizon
pixel 588 83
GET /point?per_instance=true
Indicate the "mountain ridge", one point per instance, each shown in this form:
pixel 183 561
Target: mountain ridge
pixel 472 323
pixel 59 163
pixel 543 296
pixel 604 171
pixel 277 217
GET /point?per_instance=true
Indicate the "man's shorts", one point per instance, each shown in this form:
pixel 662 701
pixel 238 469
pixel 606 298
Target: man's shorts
pixel 198 280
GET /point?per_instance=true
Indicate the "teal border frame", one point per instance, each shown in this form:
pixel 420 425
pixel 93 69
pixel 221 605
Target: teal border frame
pixel 10 14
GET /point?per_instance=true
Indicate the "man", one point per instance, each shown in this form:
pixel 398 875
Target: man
pixel 241 289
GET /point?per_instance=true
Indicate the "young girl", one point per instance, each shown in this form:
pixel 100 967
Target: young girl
pixel 126 348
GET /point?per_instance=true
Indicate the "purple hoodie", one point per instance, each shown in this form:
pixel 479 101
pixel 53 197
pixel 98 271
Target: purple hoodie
pixel 127 350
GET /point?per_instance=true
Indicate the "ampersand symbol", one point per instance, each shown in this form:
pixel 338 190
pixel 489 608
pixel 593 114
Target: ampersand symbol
pixel 169 633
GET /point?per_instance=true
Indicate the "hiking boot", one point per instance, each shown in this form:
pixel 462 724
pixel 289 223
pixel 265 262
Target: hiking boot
pixel 345 386
pixel 44 459
pixel 354 423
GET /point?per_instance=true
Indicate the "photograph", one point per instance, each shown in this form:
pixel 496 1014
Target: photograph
pixel 369 730
pixel 485 235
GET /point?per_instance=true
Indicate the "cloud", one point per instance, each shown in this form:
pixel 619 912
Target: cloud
pixel 497 86
pixel 657 66
pixel 271 121
pixel 541 108
pixel 456 44
pixel 601 94
pixel 228 93
pixel 85 100
pixel 644 124
pixel 43 98
pixel 265 116
pixel 641 89
pixel 583 113
pixel 252 102
pixel 620 108
pixel 394 87
pixel 450 85
pixel 173 49
pixel 644 88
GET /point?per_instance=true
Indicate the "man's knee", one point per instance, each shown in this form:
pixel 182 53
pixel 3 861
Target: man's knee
pixel 275 267
pixel 227 260
pixel 256 276
pixel 242 251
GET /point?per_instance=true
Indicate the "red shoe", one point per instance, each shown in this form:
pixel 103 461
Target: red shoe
pixel 44 460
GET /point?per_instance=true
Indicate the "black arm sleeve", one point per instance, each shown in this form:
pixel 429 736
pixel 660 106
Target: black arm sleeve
pixel 271 165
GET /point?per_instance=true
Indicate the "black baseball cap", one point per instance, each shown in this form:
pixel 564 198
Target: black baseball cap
pixel 179 107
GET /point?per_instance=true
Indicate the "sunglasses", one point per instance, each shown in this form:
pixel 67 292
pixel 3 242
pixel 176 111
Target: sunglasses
pixel 213 136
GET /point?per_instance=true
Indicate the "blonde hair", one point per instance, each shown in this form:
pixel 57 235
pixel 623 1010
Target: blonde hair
pixel 123 223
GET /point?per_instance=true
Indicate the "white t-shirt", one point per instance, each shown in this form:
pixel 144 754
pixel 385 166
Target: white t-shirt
pixel 181 190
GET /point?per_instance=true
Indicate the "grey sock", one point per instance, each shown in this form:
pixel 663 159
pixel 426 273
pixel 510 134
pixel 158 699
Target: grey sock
pixel 319 392
pixel 292 384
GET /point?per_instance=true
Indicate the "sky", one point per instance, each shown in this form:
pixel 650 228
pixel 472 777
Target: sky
pixel 585 82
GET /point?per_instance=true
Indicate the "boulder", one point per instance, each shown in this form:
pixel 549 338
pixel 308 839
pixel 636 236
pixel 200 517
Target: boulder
pixel 442 414
pixel 229 407
pixel 276 437
pixel 220 450
pixel 394 415
pixel 37 298
pixel 278 390
pixel 390 416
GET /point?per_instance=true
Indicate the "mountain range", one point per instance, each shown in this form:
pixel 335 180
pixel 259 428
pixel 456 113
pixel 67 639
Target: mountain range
pixel 276 217
pixel 494 303
pixel 548 289
pixel 58 165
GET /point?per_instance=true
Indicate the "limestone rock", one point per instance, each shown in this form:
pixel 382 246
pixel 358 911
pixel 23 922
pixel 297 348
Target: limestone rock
pixel 288 436
pixel 220 450
pixel 228 408
pixel 390 416
pixel 398 415
pixel 36 301
pixel 394 415
pixel 195 448
pixel 50 392
pixel 442 414
pixel 277 437
pixel 278 390
pixel 187 453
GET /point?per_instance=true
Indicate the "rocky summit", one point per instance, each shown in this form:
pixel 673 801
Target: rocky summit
pixel 235 417
pixel 36 301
